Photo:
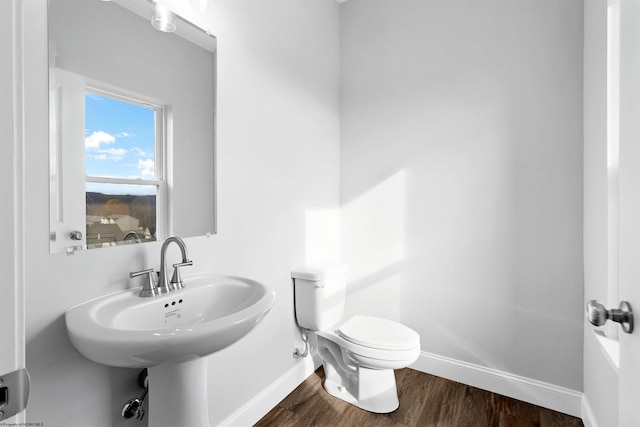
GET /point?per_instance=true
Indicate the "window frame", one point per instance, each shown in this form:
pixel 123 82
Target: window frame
pixel 161 147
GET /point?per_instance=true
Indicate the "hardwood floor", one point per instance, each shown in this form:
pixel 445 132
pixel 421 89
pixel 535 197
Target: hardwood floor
pixel 425 401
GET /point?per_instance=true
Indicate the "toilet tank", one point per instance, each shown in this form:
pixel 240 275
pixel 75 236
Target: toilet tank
pixel 320 294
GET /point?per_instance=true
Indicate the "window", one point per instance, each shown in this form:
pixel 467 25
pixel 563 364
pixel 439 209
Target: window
pixel 125 181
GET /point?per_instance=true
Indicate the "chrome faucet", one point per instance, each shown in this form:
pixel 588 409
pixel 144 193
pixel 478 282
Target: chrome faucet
pixel 164 284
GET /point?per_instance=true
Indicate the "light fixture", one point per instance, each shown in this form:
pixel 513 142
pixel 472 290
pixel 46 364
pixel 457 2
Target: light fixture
pixel 202 5
pixel 163 19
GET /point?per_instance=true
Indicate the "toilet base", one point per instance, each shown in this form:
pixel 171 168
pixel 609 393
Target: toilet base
pixel 374 390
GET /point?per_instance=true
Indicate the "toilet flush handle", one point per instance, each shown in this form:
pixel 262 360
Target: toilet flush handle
pixel 598 314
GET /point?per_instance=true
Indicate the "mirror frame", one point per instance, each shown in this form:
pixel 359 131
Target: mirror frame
pixel 187 30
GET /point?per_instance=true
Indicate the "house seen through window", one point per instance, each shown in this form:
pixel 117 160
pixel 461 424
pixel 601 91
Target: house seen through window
pixel 125 185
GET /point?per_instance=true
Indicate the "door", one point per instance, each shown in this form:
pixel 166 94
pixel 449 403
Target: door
pixel 11 300
pixel 612 208
pixel 629 235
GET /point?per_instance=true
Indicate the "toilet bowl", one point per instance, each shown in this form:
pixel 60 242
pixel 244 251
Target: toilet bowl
pixel 359 358
pixel 358 354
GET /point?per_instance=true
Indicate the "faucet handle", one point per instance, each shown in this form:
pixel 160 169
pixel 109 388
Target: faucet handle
pixel 149 287
pixel 183 264
pixel 176 279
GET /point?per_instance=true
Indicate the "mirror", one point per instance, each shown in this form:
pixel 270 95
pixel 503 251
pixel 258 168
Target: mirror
pixel 132 126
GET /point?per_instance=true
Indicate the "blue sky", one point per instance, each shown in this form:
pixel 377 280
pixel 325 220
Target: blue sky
pixel 119 139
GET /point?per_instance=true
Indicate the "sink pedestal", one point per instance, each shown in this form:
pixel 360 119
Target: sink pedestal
pixel 178 394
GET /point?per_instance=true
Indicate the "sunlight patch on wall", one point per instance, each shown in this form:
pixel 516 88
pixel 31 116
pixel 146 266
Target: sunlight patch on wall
pixel 374 229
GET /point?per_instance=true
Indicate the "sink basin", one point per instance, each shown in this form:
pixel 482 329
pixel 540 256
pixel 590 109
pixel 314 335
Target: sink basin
pixel 209 314
pixel 169 334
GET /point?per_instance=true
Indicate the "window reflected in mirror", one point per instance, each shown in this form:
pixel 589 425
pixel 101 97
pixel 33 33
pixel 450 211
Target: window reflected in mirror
pixel 124 142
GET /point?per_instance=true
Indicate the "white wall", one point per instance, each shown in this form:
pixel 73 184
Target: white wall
pixel 278 172
pixel 461 177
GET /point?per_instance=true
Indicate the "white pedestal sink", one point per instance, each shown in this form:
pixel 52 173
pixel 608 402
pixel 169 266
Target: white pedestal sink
pixel 169 334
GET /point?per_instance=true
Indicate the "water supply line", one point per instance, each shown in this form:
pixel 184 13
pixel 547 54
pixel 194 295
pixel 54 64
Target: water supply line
pixel 133 408
pixel 305 337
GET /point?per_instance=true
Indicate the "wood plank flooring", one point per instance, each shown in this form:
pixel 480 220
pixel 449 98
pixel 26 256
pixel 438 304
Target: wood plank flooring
pixel 425 401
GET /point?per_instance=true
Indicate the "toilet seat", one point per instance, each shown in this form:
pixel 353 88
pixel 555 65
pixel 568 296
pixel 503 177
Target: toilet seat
pixel 375 332
pixel 376 348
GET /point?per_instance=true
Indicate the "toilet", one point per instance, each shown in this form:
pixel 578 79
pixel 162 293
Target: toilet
pixel 359 354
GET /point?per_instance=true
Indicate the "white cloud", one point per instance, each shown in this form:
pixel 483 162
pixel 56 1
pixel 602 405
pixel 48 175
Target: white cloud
pixel 97 138
pixel 119 152
pixel 138 151
pixel 146 168
pixel 100 157
pixel 112 153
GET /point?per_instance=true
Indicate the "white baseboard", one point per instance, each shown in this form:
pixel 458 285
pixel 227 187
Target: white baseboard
pixel 259 406
pixel 526 389
pixel 588 418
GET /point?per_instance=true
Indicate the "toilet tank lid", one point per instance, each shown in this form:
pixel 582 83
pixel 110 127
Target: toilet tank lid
pixel 316 273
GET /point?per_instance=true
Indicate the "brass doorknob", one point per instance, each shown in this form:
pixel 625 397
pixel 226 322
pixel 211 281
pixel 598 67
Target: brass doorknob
pixel 598 314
